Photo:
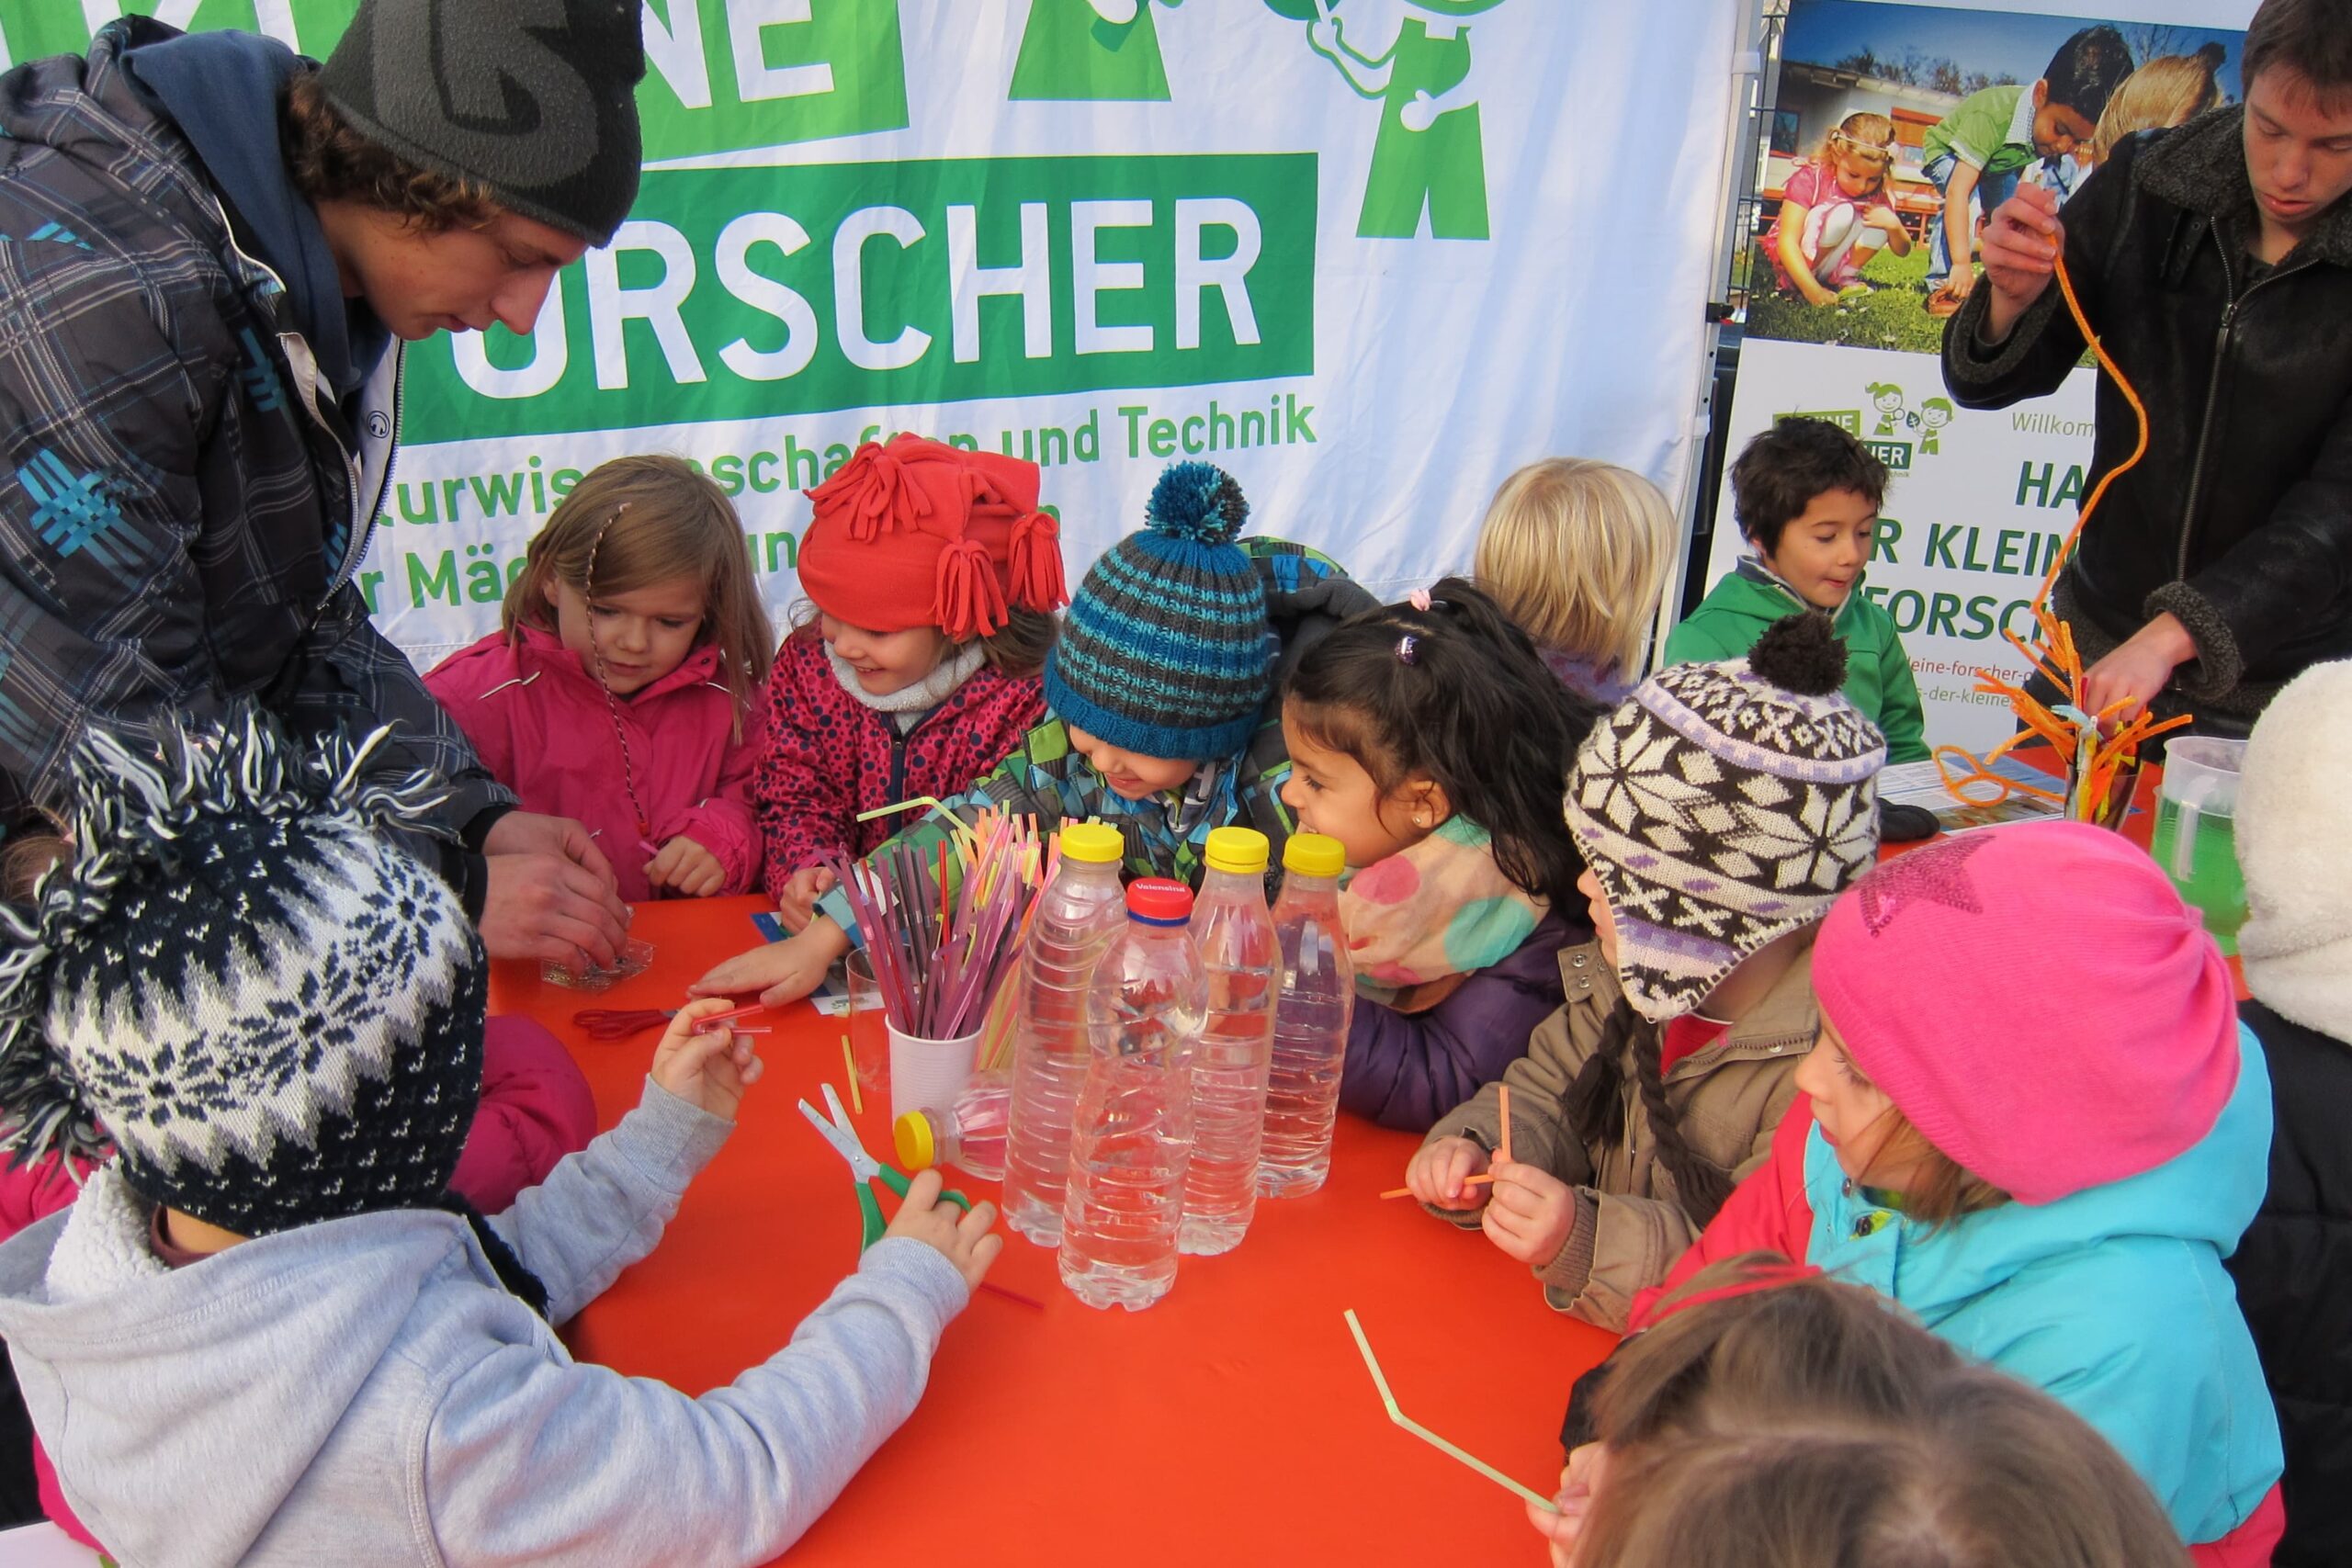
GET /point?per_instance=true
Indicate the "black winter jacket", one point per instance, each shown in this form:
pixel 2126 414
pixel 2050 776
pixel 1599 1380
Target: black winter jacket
pixel 2239 520
pixel 184 504
pixel 2294 1275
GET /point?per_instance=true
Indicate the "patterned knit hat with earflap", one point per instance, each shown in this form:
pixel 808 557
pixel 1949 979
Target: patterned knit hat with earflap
pixel 272 1009
pixel 1724 805
pixel 1166 651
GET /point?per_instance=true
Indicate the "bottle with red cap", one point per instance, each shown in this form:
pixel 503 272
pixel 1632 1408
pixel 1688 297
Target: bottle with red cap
pixel 1131 1135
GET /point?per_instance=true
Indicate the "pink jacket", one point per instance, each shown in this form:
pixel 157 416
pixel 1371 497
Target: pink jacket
pixel 831 757
pixel 543 727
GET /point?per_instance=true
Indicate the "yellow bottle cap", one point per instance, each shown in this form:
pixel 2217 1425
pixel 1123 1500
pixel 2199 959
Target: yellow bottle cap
pixel 1096 843
pixel 1314 854
pixel 1242 850
pixel 918 1149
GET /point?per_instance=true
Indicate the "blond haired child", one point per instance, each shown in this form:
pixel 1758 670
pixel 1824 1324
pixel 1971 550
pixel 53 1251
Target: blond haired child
pixel 1575 551
pixel 2170 90
pixel 1835 213
pixel 265 1332
pixel 622 688
pixel 1771 1414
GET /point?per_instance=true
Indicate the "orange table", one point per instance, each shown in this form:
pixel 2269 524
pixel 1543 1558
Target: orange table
pixel 1232 1421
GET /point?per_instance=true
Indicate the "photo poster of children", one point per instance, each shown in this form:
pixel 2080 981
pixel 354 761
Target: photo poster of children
pixel 1897 129
pixel 1894 128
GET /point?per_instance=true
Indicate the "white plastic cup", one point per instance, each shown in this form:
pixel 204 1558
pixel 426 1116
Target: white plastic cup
pixel 927 1075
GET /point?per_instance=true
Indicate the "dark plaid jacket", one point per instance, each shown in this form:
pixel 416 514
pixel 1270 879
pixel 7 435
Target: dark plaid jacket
pixel 183 503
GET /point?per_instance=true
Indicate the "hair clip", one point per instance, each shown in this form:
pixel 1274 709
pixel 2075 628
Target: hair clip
pixel 1419 599
pixel 1406 646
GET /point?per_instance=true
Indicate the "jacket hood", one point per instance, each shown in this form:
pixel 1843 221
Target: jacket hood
pixel 2207 1195
pixel 170 1373
pixel 92 111
pixel 2201 167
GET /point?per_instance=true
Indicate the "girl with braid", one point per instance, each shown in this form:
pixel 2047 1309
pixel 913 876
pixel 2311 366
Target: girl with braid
pixel 1719 810
pixel 624 686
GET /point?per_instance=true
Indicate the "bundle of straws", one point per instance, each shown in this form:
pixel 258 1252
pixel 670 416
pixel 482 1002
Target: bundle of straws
pixel 2101 768
pixel 942 954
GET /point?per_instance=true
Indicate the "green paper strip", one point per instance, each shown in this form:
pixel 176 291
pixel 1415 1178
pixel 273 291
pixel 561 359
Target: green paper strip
pixel 1380 1381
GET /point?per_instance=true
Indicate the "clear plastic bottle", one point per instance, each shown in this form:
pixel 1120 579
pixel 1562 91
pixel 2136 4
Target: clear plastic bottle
pixel 1132 1135
pixel 1318 998
pixel 1235 936
pixel 1078 914
pixel 969 1135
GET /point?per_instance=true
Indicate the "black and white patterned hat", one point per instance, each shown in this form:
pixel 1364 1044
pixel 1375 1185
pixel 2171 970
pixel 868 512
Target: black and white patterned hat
pixel 271 1010
pixel 1724 804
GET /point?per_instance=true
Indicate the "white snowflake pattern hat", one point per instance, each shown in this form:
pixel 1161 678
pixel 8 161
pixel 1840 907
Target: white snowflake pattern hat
pixel 1724 804
pixel 243 984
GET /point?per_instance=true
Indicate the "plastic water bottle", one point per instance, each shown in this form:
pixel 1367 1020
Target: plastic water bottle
pixel 1078 914
pixel 1132 1136
pixel 1317 997
pixel 969 1135
pixel 1235 936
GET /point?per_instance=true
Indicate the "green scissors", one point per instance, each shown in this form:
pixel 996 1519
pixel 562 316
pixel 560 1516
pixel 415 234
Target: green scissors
pixel 864 1169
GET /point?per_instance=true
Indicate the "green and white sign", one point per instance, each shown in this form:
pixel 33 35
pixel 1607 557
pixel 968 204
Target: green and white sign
pixel 1368 255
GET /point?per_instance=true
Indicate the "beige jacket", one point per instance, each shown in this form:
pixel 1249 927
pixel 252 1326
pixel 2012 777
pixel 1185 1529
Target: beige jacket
pixel 1729 1097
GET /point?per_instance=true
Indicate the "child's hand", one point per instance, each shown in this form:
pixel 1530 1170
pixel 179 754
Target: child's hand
pixel 796 905
pixel 962 1239
pixel 1885 220
pixel 685 866
pixel 710 1069
pixel 1573 1502
pixel 782 971
pixel 1531 1213
pixel 1439 1172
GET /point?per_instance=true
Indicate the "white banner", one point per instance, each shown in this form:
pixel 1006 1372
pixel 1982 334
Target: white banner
pixel 1979 502
pixel 1369 254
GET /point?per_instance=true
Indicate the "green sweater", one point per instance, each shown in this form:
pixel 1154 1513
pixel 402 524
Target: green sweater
pixel 1878 673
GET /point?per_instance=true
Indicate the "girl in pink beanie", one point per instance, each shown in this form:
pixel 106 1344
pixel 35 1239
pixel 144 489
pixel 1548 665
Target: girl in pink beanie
pixel 2034 1119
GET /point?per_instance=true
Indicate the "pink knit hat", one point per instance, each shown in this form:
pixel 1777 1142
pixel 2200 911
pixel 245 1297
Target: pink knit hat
pixel 2037 1001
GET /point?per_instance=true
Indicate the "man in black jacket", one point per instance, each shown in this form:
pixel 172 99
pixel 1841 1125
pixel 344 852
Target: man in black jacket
pixel 2215 263
pixel 210 253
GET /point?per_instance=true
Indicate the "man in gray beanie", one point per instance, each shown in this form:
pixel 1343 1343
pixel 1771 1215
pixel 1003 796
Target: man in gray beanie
pixel 212 252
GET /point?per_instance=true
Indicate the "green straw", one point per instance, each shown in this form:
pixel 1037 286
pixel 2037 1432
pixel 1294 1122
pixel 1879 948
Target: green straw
pixel 1371 1365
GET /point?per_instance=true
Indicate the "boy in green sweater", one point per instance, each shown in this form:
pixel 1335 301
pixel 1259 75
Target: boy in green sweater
pixel 1807 495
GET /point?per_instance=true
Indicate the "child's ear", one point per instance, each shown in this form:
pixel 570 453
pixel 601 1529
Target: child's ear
pixel 2041 93
pixel 1425 801
pixel 551 593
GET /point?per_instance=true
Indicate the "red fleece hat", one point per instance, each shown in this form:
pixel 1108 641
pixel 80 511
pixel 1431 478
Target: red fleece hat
pixel 922 533
pixel 2038 1003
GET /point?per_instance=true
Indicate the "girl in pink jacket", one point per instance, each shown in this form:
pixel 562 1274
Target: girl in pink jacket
pixel 932 579
pixel 623 688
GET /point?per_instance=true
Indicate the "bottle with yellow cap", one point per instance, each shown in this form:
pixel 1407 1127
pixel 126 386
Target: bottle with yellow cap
pixel 1311 1017
pixel 969 1135
pixel 1235 932
pixel 1076 915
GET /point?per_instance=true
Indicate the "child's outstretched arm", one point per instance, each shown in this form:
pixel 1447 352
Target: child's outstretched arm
pixel 601 1210
pixel 532 1457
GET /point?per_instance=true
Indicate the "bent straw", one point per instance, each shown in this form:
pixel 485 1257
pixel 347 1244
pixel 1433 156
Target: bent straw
pixel 1372 1364
pixel 1479 1180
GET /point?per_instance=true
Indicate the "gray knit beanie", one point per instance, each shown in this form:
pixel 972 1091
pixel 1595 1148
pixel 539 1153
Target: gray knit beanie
pixel 2295 844
pixel 535 99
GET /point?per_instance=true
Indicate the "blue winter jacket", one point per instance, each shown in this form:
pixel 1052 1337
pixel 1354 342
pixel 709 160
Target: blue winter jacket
pixel 2113 1300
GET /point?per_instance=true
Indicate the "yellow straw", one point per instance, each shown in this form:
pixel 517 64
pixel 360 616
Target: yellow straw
pixel 849 1060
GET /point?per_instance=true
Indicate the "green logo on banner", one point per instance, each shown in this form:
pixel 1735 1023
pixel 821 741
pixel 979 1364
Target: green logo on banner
pixel 1430 154
pixel 1100 50
pixel 721 75
pixel 763 292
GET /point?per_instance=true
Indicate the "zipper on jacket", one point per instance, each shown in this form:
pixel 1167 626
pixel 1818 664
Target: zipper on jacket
pixel 2213 397
pixel 897 762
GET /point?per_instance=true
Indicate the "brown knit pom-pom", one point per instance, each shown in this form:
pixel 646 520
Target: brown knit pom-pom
pixel 1801 653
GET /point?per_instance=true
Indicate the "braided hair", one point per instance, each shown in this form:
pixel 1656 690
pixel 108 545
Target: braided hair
pixel 1596 1108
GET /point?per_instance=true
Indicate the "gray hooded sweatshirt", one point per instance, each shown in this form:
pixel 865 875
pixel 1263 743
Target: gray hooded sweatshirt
pixel 365 1390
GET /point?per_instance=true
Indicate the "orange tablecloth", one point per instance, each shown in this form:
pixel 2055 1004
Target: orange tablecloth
pixel 1233 1420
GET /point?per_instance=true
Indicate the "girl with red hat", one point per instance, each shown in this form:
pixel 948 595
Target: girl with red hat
pixel 932 577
